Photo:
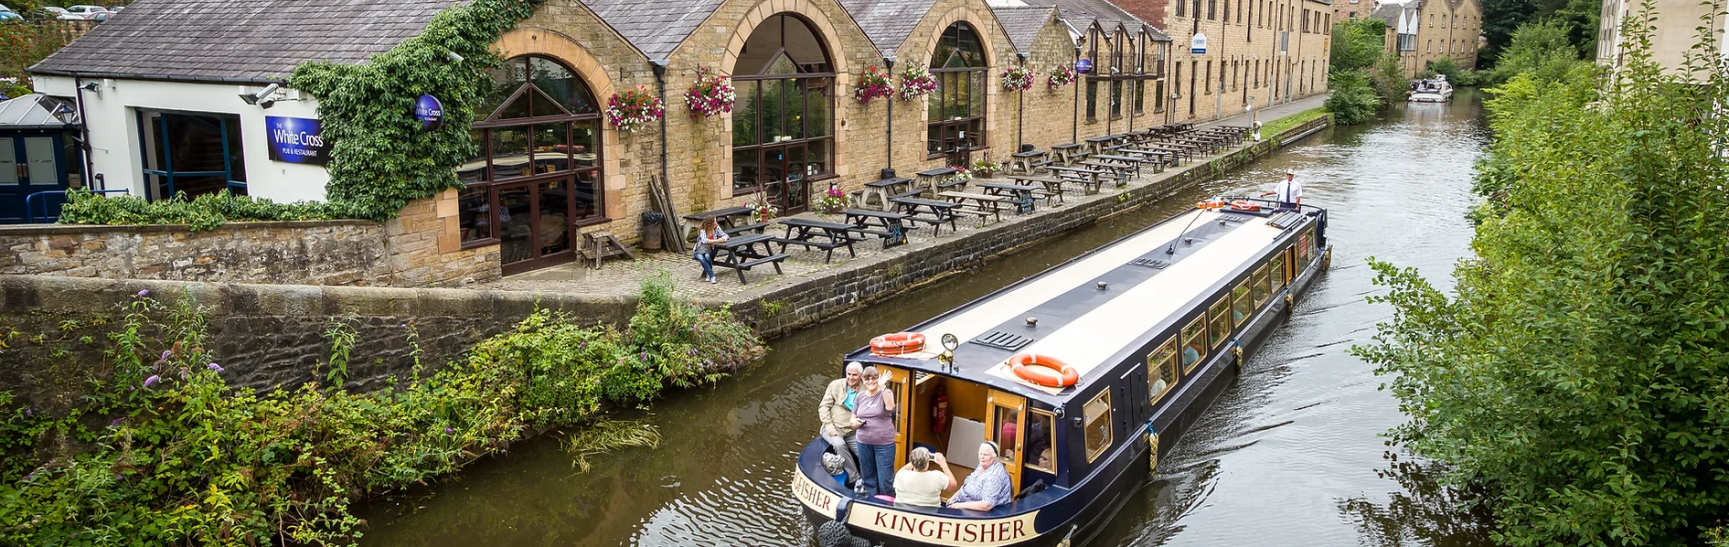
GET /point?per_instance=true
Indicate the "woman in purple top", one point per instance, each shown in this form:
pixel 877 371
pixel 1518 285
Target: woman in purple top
pixel 873 415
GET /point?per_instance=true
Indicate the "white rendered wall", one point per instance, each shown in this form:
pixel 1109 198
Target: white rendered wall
pixel 111 115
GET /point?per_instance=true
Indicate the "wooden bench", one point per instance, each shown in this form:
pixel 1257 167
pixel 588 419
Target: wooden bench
pixel 882 189
pixel 928 211
pixel 1064 153
pixel 600 244
pixel 1053 186
pixel 726 217
pixel 740 254
pixel 806 232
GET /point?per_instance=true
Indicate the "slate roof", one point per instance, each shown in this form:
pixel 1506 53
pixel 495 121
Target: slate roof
pixel 238 40
pixel 888 23
pixel 1023 24
pixel 655 27
pixel 1388 13
pixel 1083 13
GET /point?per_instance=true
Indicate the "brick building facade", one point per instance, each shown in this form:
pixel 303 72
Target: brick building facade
pixel 1424 31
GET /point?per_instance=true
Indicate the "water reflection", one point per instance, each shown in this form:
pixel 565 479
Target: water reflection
pixel 1287 456
pixel 1422 513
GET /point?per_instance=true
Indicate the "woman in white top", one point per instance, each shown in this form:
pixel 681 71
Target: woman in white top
pixel 705 240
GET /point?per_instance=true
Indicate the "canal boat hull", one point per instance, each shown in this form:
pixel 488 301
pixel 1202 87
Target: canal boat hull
pixel 1059 516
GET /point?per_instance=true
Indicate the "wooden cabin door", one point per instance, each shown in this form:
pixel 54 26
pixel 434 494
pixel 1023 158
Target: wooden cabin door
pixel 1005 413
pixel 896 381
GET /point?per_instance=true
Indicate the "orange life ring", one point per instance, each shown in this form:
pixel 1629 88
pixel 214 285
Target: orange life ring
pixel 900 343
pixel 1044 370
pixel 1245 205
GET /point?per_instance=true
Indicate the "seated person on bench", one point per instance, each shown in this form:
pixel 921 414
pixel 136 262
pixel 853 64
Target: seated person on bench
pixel 988 487
pixel 705 240
pixel 917 484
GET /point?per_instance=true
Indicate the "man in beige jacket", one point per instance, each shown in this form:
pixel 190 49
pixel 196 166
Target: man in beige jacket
pixel 838 425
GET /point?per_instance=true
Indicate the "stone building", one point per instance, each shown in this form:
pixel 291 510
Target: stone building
pixel 1431 30
pixel 1354 9
pixel 177 96
pixel 1674 28
pixel 1231 56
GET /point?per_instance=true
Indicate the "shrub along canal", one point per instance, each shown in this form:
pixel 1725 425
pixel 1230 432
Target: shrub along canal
pixel 1289 455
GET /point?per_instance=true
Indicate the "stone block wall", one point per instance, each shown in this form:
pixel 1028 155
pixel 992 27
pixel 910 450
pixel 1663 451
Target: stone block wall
pixel 1243 45
pixel 312 252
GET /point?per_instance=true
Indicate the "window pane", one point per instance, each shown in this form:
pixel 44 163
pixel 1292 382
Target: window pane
pixel 1241 306
pixel 934 138
pixel 1194 344
pixel 793 98
pixel 1041 436
pixel 773 111
pixel 474 170
pixel 559 83
pixel 976 83
pixel 552 230
pixel 582 135
pixel 817 106
pixel 976 133
pixel 1219 328
pixel 1278 272
pixel 513 220
pixel 509 152
pixel 1007 432
pixel 1098 431
pixel 551 147
pixel 474 214
pixel 744 117
pixel 1162 370
pixel 934 101
pixel 588 193
pixel 506 80
pixel 744 170
pixel 1261 287
pixel 816 154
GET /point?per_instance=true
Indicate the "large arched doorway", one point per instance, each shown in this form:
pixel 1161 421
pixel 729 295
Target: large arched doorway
pixel 783 127
pixel 537 174
pixel 957 108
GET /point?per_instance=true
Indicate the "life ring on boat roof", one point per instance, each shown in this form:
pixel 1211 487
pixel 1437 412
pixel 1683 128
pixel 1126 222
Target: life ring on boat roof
pixel 1044 370
pixel 900 343
pixel 1245 205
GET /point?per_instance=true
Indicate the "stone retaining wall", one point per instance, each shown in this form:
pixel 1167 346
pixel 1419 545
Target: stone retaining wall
pixel 302 253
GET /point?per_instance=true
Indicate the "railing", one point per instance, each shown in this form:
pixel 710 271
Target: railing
pixel 30 218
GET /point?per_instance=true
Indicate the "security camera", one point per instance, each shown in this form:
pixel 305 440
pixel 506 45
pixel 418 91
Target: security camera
pixel 262 98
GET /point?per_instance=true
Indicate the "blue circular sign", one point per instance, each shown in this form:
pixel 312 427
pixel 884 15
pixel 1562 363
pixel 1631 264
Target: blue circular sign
pixel 1084 66
pixel 430 112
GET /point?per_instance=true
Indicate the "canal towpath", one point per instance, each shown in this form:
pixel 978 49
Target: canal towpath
pixel 812 288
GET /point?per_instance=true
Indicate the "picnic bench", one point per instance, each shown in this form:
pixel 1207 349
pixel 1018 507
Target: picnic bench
pixel 1065 153
pixel 740 253
pixel 727 217
pixel 1021 193
pixel 979 205
pixel 928 211
pixel 1133 163
pixel 600 244
pixel 1023 162
pixel 1160 158
pixel 937 179
pixel 816 234
pixel 883 190
pixel 891 227
pixel 1096 145
pixel 1053 185
pixel 1089 178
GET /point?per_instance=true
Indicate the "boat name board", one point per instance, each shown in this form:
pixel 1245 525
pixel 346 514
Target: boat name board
pixel 817 498
pixel 937 530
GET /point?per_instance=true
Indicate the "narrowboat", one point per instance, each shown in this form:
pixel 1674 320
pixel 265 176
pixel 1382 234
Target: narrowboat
pixel 1144 333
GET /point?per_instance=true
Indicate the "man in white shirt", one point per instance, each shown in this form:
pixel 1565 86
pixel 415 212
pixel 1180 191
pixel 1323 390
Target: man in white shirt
pixel 1289 192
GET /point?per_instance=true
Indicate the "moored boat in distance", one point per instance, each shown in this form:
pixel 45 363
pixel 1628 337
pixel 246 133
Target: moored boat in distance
pixel 1433 90
pixel 1082 374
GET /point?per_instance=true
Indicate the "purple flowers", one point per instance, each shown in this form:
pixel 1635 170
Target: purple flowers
pixel 873 83
pixel 710 95
pixel 447 431
pixel 115 423
pixel 144 293
pixel 29 412
pixel 166 354
pixel 216 367
pixel 152 380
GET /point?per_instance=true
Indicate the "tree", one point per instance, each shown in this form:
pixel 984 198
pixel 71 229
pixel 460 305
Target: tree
pixel 1357 44
pixel 1577 375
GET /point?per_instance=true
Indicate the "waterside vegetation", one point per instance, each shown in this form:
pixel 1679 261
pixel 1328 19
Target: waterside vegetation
pixel 174 455
pixel 1573 381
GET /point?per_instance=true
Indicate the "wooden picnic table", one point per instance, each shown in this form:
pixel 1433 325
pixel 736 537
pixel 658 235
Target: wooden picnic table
pixel 1116 169
pixel 733 219
pixel 1053 185
pixel 817 234
pixel 981 205
pixel 934 179
pixel 1087 177
pixel 1021 193
pixel 1022 162
pixel 1159 158
pixel 1187 152
pixel 1096 145
pixel 883 190
pixel 740 253
pixel 1131 162
pixel 1065 153
pixel 891 227
pixel 929 211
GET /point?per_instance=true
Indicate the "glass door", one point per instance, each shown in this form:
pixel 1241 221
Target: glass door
pixel 534 224
pixel 785 176
pixel 30 164
pixel 1006 413
pixel 896 381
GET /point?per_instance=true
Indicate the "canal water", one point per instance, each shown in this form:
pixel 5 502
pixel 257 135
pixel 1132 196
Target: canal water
pixel 1290 455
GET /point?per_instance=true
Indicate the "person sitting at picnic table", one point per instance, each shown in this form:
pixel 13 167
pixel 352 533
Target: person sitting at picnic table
pixel 835 413
pixel 918 485
pixel 705 240
pixel 988 487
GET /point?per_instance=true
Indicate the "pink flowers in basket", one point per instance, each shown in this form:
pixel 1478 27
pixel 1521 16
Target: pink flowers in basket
pixel 628 111
pixel 916 81
pixel 873 83
pixel 710 95
pixel 1018 78
pixel 1059 76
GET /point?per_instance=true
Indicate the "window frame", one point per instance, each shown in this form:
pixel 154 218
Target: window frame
pixel 1219 313
pixel 1242 300
pixel 1087 426
pixel 1172 360
pixel 978 76
pixel 1196 328
pixel 756 83
pixel 1261 286
pixel 1051 431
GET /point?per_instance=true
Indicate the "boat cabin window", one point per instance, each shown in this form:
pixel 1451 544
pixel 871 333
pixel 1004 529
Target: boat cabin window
pixel 1162 370
pixel 1098 425
pixel 1278 267
pixel 1041 436
pixel 1194 344
pixel 1241 306
pixel 1006 432
pixel 1219 329
pixel 1262 288
pixel 1305 246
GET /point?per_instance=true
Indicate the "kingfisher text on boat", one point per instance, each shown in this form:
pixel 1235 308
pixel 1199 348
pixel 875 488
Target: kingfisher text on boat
pixel 1081 375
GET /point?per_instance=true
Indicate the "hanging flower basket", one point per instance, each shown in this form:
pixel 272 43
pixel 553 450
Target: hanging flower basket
pixel 1059 76
pixel 832 201
pixel 628 111
pixel 916 81
pixel 1018 79
pixel 873 83
pixel 711 94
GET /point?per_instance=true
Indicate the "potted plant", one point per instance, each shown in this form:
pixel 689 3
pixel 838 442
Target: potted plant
pixel 762 210
pixel 1059 76
pixel 987 168
pixel 832 201
pixel 962 174
pixel 651 227
pixel 710 95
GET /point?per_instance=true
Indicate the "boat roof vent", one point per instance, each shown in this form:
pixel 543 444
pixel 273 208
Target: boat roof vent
pixel 1003 340
pixel 1232 217
pixel 1285 220
pixel 1150 263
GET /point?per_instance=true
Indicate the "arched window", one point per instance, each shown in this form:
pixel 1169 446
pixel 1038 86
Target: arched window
pixel 783 127
pixel 537 172
pixel 957 108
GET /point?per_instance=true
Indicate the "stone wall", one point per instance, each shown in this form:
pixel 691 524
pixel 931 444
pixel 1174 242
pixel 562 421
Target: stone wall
pixel 1243 47
pixel 310 253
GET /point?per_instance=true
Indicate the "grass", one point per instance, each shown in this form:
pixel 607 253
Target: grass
pixel 1274 128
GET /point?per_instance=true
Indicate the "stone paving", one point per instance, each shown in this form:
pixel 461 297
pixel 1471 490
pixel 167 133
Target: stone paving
pixel 620 278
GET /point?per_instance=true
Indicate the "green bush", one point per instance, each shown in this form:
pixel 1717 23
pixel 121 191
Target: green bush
pixel 1575 373
pixel 1457 75
pixel 1539 48
pixel 205 212
pixel 185 459
pixel 1353 100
